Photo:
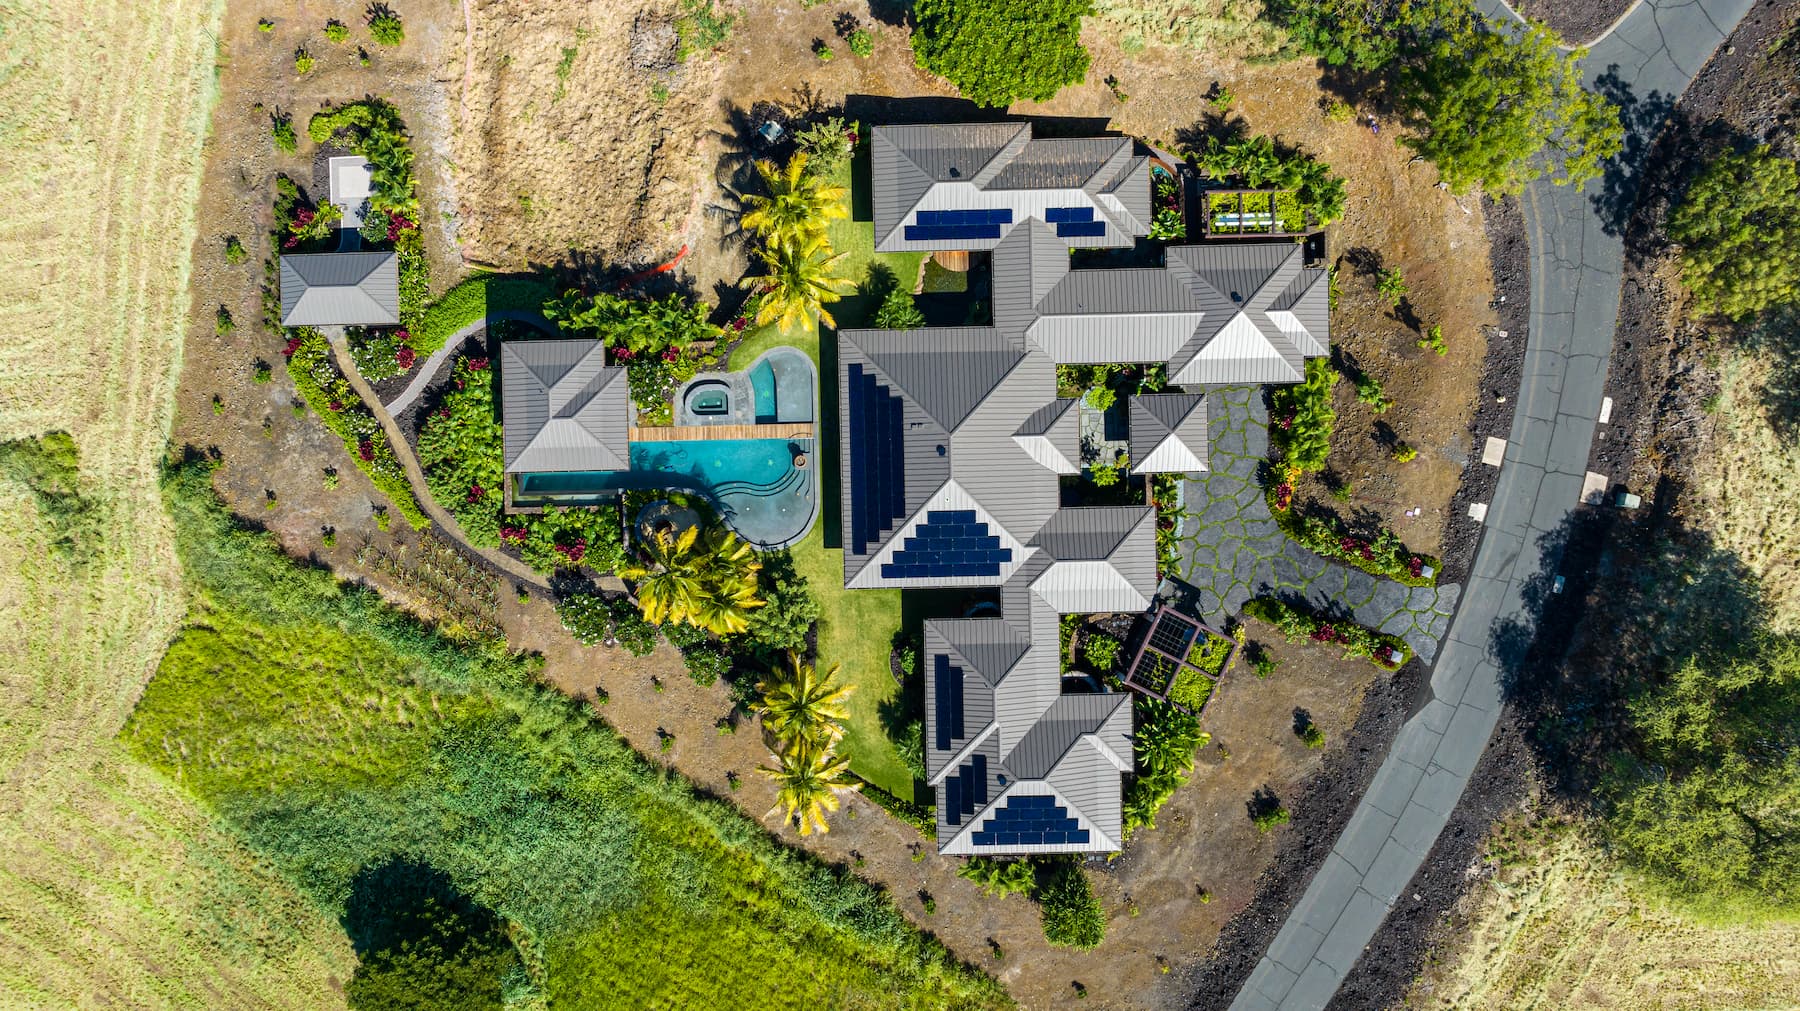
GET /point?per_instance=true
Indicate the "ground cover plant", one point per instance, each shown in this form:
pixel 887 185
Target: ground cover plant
pixel 331 397
pixel 997 52
pixel 462 453
pixel 1301 418
pixel 615 882
pixel 1325 534
pixel 1165 743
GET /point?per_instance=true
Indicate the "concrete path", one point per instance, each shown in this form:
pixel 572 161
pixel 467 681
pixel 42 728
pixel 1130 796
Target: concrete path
pixel 1231 550
pixel 1576 269
pixel 422 378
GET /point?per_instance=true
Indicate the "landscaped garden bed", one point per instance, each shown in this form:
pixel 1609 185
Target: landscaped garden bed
pixel 332 398
pixel 1296 622
pixel 1179 661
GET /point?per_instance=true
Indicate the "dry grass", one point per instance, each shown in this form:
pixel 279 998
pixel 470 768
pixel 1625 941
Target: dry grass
pixel 1750 482
pixel 115 889
pixel 1222 27
pixel 1559 927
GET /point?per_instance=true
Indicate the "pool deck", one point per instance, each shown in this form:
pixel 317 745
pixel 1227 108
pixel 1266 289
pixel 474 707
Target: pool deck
pixel 688 433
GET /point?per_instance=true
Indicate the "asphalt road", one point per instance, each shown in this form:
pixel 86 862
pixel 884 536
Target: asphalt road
pixel 1647 61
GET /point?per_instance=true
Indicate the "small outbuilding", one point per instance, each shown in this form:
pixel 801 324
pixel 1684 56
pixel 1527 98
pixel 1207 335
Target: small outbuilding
pixel 340 289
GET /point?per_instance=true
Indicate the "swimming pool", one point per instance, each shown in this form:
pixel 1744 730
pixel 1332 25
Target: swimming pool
pixel 762 385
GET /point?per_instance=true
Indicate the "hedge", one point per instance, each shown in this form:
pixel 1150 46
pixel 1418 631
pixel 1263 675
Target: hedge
pixel 472 299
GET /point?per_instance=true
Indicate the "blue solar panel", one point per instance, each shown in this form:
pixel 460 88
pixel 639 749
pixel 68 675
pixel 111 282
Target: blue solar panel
pixel 947 693
pixel 1080 228
pixel 877 465
pixel 942 233
pixel 966 790
pixel 990 216
pixel 951 542
pixel 1057 215
pixel 1029 821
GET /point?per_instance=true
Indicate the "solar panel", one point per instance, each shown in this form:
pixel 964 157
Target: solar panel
pixel 877 467
pixel 953 800
pixel 947 692
pixel 1058 215
pixel 951 542
pixel 1028 821
pixel 1079 228
pixel 985 216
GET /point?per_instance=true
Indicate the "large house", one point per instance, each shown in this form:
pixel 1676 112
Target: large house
pixel 955 445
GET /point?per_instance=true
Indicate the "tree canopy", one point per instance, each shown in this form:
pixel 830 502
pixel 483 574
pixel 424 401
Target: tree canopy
pixel 1739 226
pixel 997 52
pixel 1708 798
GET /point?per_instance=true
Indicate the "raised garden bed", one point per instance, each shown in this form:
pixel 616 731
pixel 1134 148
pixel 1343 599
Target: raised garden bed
pixel 1179 661
pixel 1242 213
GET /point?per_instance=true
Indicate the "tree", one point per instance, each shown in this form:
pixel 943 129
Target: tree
pixel 788 612
pixel 1000 878
pixel 421 944
pixel 899 311
pixel 705 578
pixel 1364 34
pixel 1495 105
pixel 798 206
pixel 1708 798
pixel 809 780
pixel 640 326
pixel 799 282
pixel 828 144
pixel 803 708
pixel 1739 226
pixel 997 52
pixel 1072 915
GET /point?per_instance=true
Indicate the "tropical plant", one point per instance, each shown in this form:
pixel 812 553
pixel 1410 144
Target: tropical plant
pixel 384 25
pixel 1000 878
pixel 1101 651
pixel 800 707
pixel 1405 453
pixel 336 31
pixel 1369 391
pixel 1738 223
pixel 799 283
pixel 822 50
pixel 1434 341
pixel 586 616
pixel 638 326
pixel 281 130
pixel 809 781
pixel 706 577
pixel 899 311
pixel 788 613
pixel 861 42
pixel 1256 163
pixel 303 61
pixel 828 145
pixel 1390 284
pixel 1072 915
pixel 796 208
pixel 1166 738
pixel 997 52
pixel 1303 417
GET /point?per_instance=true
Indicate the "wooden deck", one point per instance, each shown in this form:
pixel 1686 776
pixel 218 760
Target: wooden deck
pixel 685 433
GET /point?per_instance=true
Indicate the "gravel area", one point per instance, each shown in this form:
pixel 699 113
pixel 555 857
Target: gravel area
pixel 1579 22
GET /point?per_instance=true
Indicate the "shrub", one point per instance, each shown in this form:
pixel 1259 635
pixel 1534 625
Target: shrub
pixel 1164 744
pixel 222 322
pixel 828 145
pixel 1324 534
pixel 1390 284
pixel 1434 341
pixel 822 50
pixel 911 745
pixel 1263 664
pixel 899 311
pixel 384 25
pixel 471 301
pixel 1310 735
pixel 861 42
pixel 1267 819
pixel 262 374
pixel 1369 391
pixel 1337 110
pixel 1738 223
pixel 999 878
pixel 303 61
pixel 281 130
pixel 376 352
pixel 1101 651
pixel 997 52
pixel 1357 641
pixel 1106 475
pixel 684 636
pixel 700 29
pixel 1405 453
pixel 788 612
pixel 336 31
pixel 707 664
pixel 264 25
pixel 1072 915
pixel 234 251
pixel 633 632
pixel 1303 417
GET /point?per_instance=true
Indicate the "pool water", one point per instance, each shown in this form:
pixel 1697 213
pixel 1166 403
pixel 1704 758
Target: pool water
pixel 712 463
pixel 762 384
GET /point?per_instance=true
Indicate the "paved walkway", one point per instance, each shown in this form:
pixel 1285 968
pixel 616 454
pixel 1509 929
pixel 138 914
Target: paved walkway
pixel 422 378
pixel 1231 549
pixel 1574 306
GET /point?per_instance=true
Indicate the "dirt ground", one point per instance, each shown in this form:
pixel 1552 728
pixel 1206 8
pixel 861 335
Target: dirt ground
pixel 576 146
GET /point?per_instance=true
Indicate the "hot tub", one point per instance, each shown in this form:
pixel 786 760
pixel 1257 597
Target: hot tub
pixel 709 397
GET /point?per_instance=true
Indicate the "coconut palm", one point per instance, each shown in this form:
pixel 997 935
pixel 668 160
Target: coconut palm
pixel 809 780
pixel 800 280
pixel 798 206
pixel 704 577
pixel 799 707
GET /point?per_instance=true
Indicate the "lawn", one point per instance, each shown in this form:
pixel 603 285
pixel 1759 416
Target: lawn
pixel 375 736
pixel 857 627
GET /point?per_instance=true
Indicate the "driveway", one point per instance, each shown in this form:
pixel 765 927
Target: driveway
pixel 1649 58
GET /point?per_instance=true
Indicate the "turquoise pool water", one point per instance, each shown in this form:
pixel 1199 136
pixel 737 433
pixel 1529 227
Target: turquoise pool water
pixel 762 384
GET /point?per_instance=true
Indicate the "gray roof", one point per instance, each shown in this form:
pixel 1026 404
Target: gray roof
pixel 978 166
pixel 1089 533
pixel 563 407
pixel 340 289
pixel 1168 433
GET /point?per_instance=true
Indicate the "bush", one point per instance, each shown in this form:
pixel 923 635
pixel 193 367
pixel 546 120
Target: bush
pixel 788 612
pixel 1405 453
pixel 707 664
pixel 1311 735
pixel 1369 391
pixel 1357 641
pixel 384 25
pixel 700 29
pixel 997 52
pixel 281 129
pixel 264 25
pixel 1434 341
pixel 1738 223
pixel 223 325
pixel 1324 534
pixel 585 616
pixel 861 42
pixel 999 878
pixel 472 300
pixel 1072 915
pixel 684 636
pixel 822 50
pixel 1390 284
pixel 1303 417
pixel 629 627
pixel 899 311
pixel 336 31
pixel 303 61
pixel 911 745
pixel 1268 819
pixel 828 144
pixel 234 251
pixel 1101 651
pixel 377 352
pixel 1164 744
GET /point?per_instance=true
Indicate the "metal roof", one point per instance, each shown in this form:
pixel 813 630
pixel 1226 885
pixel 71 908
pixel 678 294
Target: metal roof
pixel 562 407
pixel 1168 433
pixel 340 289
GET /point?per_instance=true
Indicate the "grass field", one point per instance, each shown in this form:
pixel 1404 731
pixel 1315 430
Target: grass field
pixel 375 736
pixel 1560 927
pixel 115 888
pixel 856 627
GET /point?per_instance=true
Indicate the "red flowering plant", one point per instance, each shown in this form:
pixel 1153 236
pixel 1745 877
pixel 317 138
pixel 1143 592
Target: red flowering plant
pixel 478 364
pixel 1416 566
pixel 337 405
pixel 623 354
pixel 405 357
pixel 476 493
pixel 398 223
pixel 293 345
pixel 1284 496
pixel 573 552
pixel 513 535
pixel 738 324
pixel 366 450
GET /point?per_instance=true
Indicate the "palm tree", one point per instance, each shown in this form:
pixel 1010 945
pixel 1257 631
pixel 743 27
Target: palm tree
pixel 798 205
pixel 802 708
pixel 809 779
pixel 705 577
pixel 800 280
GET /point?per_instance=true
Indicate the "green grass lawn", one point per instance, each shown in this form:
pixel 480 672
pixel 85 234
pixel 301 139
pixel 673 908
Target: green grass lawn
pixel 857 627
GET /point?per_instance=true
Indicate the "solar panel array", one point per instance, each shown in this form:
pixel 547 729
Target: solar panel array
pixel 1029 821
pixel 1074 221
pixel 938 225
pixel 966 790
pixel 877 459
pixel 948 696
pixel 951 542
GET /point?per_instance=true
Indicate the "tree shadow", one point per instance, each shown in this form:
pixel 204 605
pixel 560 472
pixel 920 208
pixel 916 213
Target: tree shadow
pixel 1621 182
pixel 403 901
pixel 1262 803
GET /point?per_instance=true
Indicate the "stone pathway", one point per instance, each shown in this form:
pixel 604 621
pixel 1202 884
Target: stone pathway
pixel 429 368
pixel 1231 549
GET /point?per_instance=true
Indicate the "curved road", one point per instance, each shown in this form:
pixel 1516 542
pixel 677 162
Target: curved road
pixel 1652 54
